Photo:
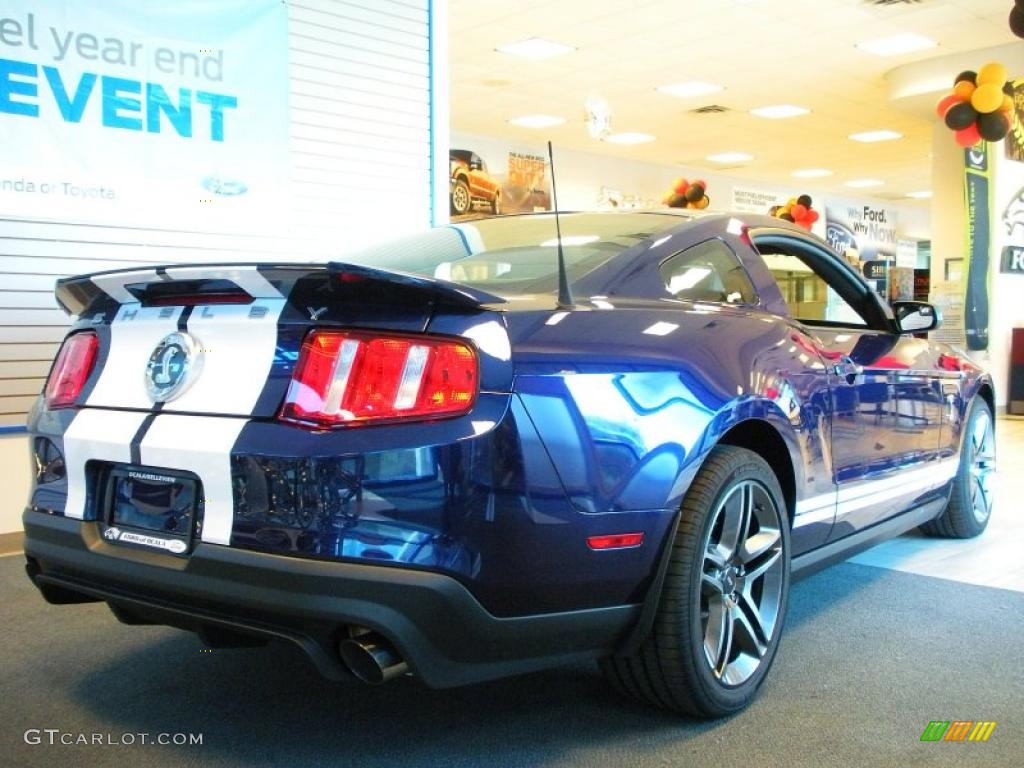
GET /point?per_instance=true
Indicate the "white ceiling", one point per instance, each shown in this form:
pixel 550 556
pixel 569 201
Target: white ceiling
pixel 763 52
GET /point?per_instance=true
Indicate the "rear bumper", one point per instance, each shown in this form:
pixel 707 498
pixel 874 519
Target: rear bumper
pixel 447 637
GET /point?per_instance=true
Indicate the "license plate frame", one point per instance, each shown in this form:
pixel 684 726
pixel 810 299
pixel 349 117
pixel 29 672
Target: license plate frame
pixel 150 508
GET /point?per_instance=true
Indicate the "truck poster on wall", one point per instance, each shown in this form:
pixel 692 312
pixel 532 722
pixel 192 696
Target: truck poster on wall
pixel 475 189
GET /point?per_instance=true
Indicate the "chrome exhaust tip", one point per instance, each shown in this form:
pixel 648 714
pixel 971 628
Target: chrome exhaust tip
pixel 371 658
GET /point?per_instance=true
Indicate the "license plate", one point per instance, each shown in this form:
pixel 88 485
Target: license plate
pixel 151 508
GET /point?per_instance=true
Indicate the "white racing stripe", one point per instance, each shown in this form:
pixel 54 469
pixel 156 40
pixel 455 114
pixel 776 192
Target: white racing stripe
pixel 114 285
pixel 821 508
pixel 202 445
pixel 134 334
pixel 95 435
pixel 238 343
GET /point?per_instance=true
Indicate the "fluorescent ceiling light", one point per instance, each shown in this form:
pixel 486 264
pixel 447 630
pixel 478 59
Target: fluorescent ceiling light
pixel 811 173
pixel 897 44
pixel 535 48
pixel 869 137
pixel 537 121
pixel 730 157
pixel 689 89
pixel 779 111
pixel 861 183
pixel 630 137
pixel 923 194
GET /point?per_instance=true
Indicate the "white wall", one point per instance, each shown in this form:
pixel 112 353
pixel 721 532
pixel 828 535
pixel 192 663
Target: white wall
pixel 1006 306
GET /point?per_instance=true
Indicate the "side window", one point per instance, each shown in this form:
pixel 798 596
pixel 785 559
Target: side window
pixel 808 295
pixel 709 271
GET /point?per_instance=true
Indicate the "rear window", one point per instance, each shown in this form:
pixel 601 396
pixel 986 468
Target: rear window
pixel 518 254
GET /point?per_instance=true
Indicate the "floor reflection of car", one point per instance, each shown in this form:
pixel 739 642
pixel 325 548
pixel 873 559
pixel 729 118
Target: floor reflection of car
pixel 470 183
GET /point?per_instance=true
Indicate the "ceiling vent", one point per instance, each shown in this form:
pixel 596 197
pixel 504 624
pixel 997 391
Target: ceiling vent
pixel 710 109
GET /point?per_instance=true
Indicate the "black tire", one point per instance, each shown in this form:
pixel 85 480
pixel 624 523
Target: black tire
pixel 460 198
pixel 672 669
pixel 972 485
pixel 496 204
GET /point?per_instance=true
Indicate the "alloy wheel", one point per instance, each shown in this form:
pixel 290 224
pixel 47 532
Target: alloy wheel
pixel 741 582
pixel 981 460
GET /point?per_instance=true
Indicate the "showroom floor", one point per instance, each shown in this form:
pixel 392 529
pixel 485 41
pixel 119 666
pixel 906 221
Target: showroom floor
pixel 874 650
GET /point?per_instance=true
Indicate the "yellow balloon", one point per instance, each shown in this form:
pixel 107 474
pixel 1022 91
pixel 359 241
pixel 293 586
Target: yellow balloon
pixel 1007 106
pixel 993 74
pixel 790 203
pixel 964 90
pixel 987 98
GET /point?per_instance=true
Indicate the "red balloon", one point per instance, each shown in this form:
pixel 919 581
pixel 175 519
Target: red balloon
pixel 679 186
pixel 701 183
pixel 945 103
pixel 812 215
pixel 969 136
pixel 798 211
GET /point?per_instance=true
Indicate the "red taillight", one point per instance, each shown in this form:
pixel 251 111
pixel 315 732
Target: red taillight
pixel 616 541
pixel 349 377
pixel 71 369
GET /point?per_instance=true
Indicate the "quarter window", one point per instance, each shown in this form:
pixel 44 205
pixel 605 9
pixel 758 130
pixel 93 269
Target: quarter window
pixel 708 271
pixel 808 295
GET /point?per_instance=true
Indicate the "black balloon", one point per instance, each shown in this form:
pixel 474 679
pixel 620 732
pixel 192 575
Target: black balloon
pixel 967 74
pixel 694 193
pixel 960 116
pixel 1008 88
pixel 787 217
pixel 993 126
pixel 1017 20
pixel 805 201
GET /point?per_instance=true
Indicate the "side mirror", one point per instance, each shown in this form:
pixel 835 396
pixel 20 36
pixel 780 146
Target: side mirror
pixel 915 316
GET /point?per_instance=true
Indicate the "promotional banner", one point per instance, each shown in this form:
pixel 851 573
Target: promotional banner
pixel 144 112
pixel 1014 141
pixel 746 200
pixel 864 234
pixel 475 188
pixel 977 199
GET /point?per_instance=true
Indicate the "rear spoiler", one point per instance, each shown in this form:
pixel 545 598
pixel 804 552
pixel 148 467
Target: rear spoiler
pixel 242 283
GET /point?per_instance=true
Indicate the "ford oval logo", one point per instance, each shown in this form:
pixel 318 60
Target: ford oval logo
pixel 172 367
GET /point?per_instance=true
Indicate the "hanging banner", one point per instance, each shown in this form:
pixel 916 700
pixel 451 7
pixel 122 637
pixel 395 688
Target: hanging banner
pixel 1014 141
pixel 865 235
pixel 977 198
pixel 746 200
pixel 144 112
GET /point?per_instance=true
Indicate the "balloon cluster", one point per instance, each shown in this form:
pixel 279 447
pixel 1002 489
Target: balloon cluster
pixel 979 106
pixel 1017 18
pixel 686 194
pixel 797 210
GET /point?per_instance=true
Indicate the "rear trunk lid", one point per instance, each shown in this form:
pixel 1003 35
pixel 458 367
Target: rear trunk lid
pixel 247 322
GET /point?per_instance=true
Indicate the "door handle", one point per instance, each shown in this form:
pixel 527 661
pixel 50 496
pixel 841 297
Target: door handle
pixel 848 369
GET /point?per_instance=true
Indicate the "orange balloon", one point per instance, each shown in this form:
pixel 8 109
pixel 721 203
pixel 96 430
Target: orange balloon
pixel 679 186
pixel 1007 106
pixel 964 90
pixel 703 203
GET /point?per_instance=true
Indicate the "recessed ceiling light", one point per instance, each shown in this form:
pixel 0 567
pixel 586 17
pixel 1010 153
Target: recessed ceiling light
pixel 869 137
pixel 730 157
pixel 897 44
pixel 630 137
pixel 862 183
pixel 535 48
pixel 811 173
pixel 537 121
pixel 923 194
pixel 779 111
pixel 689 89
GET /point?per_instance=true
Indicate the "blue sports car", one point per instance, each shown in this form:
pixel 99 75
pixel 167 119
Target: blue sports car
pixel 499 447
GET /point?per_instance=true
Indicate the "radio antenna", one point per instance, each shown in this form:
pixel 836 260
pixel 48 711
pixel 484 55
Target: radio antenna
pixel 564 293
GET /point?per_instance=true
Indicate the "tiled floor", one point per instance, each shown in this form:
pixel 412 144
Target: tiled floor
pixel 994 559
